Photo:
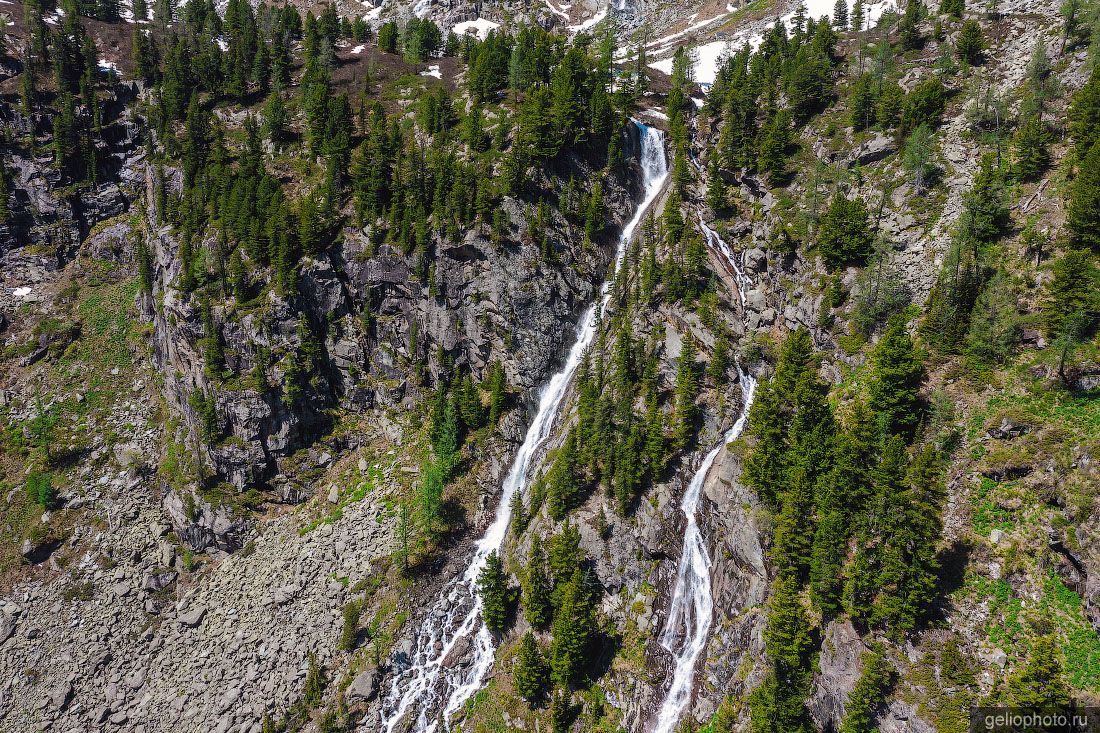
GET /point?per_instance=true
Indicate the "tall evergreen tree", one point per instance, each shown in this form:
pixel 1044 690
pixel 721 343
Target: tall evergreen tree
pixel 492 585
pixel 574 625
pixel 897 375
pixel 1083 218
pixel 529 675
pixel 536 588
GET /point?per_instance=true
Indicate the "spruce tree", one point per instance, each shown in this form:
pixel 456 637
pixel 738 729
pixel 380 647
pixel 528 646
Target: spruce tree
pixel 686 392
pixel 840 15
pixel 1040 683
pixel 870 691
pixel 911 500
pixel 574 624
pixel 529 675
pixel 827 562
pixel 1030 155
pixel 536 588
pixel 5 210
pixel 970 44
pixel 896 377
pixel 777 705
pixel 1073 295
pixel 844 235
pixel 1083 218
pixel 492 586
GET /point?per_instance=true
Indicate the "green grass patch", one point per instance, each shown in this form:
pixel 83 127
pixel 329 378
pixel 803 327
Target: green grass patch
pixel 1062 606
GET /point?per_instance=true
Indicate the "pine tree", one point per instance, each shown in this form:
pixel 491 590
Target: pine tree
pixel 994 325
pixel 492 586
pixel 315 684
pixel 897 375
pixel 529 675
pixel 861 102
pixel 536 588
pixel 923 104
pixel 41 490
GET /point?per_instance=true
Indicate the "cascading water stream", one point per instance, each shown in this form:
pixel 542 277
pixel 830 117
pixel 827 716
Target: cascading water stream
pixel 744 282
pixel 455 620
pixel 691 610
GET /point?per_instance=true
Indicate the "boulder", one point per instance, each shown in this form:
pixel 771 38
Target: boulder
pixel 193 617
pixel 364 686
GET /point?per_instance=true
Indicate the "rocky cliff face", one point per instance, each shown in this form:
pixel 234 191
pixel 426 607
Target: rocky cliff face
pixel 139 597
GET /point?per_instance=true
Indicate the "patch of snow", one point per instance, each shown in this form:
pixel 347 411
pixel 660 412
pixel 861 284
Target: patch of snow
pixel 589 23
pixel 374 13
pixel 656 113
pixel 22 293
pixel 660 42
pixel 108 65
pixel 730 8
pixel 556 10
pixel 358 49
pixel 433 70
pixel 708 57
pixel 480 28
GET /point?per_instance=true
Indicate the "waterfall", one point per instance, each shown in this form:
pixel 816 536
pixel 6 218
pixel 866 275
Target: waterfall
pixel 744 282
pixel 455 621
pixel 691 610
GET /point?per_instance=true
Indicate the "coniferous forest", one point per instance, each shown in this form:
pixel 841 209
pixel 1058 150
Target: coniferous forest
pixel 446 366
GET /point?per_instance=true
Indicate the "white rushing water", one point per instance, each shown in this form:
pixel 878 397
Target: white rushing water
pixel 455 621
pixel 692 608
pixel 744 282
